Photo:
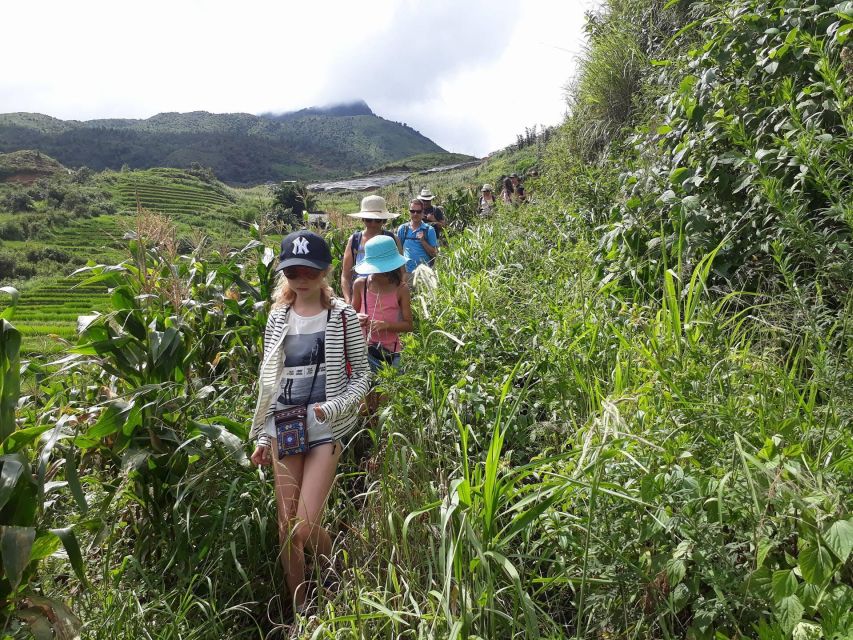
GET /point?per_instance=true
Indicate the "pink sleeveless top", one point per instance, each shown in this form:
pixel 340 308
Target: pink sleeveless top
pixel 383 307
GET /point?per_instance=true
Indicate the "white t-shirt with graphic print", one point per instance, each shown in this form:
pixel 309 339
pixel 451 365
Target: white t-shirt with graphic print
pixel 304 352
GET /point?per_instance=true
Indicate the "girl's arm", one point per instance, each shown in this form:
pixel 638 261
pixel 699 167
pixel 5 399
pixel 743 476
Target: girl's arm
pixel 404 297
pixel 358 294
pixel 263 440
pixel 346 272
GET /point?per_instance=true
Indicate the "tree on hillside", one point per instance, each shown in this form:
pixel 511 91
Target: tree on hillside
pixel 293 198
pixel 201 172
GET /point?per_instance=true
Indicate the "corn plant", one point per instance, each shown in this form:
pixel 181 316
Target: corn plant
pixel 25 538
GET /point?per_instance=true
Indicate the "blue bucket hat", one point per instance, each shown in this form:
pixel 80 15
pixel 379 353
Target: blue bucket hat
pixel 380 256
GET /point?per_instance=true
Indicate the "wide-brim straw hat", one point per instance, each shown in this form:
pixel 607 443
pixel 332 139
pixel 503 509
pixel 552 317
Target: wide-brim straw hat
pixel 425 194
pixel 487 187
pixel 380 256
pixel 373 208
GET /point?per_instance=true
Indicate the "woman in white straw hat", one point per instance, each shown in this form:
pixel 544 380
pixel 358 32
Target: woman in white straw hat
pixel 487 200
pixel 374 212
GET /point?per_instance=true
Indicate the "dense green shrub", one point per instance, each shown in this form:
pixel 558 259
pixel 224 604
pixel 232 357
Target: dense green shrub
pixel 7 266
pixel 48 253
pixel 752 151
pixel 18 201
pixel 12 231
pixel 293 198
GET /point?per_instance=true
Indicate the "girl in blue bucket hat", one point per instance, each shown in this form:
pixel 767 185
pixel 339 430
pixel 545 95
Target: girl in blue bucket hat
pixel 382 301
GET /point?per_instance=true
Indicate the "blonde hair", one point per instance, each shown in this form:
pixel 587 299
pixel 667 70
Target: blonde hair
pixel 283 295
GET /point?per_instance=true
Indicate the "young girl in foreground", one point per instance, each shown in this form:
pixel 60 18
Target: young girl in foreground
pixel 383 301
pixel 314 371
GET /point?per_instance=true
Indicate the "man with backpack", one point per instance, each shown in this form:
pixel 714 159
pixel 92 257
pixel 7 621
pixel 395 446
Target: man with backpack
pixel 433 216
pixel 418 239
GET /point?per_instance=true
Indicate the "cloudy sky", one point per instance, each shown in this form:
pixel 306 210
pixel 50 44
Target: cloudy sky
pixel 470 74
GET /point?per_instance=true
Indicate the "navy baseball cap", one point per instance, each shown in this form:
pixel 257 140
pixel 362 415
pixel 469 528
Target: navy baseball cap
pixel 304 249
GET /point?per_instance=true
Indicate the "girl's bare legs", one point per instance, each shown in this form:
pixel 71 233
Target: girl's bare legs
pixel 303 483
pixel 288 480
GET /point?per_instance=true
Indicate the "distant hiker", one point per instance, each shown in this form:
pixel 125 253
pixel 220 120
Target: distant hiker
pixel 517 196
pixel 382 301
pixel 418 239
pixel 487 201
pixel 313 376
pixel 434 216
pixel 508 190
pixel 374 213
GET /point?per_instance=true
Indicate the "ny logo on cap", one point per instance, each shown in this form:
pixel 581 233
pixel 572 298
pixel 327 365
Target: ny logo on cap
pixel 300 245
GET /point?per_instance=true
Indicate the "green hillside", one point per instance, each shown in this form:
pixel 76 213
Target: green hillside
pixel 57 224
pixel 169 191
pixel 240 148
pixel 27 166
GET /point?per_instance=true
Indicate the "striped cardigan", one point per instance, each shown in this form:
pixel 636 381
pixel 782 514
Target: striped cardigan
pixel 343 393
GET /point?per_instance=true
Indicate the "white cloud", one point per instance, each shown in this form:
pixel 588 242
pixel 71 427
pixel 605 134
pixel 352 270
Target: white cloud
pixel 469 74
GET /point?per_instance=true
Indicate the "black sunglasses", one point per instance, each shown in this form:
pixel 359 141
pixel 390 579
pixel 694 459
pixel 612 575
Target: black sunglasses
pixel 416 210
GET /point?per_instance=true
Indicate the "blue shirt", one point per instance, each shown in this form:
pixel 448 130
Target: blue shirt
pixel 413 250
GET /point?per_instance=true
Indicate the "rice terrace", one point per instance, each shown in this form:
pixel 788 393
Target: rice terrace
pixel 624 410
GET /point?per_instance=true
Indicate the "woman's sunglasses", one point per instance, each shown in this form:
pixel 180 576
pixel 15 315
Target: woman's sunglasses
pixel 309 273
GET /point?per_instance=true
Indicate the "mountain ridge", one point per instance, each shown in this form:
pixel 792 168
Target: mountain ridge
pixel 241 148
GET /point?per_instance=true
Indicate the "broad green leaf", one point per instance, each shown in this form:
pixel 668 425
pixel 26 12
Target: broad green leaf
pixel 239 429
pixel 46 450
pixel 743 183
pixel 163 344
pixel 789 612
pixel 10 471
pixel 816 564
pixel 392 615
pixel 839 538
pixel 72 548
pixel 10 377
pixel 523 521
pixel 23 437
pixel 46 543
pixel 687 84
pixel 784 584
pixel 680 175
pixel 765 545
pixel 9 311
pixel 15 545
pixel 112 419
pixel 74 481
pixel 216 433
pixel 676 569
